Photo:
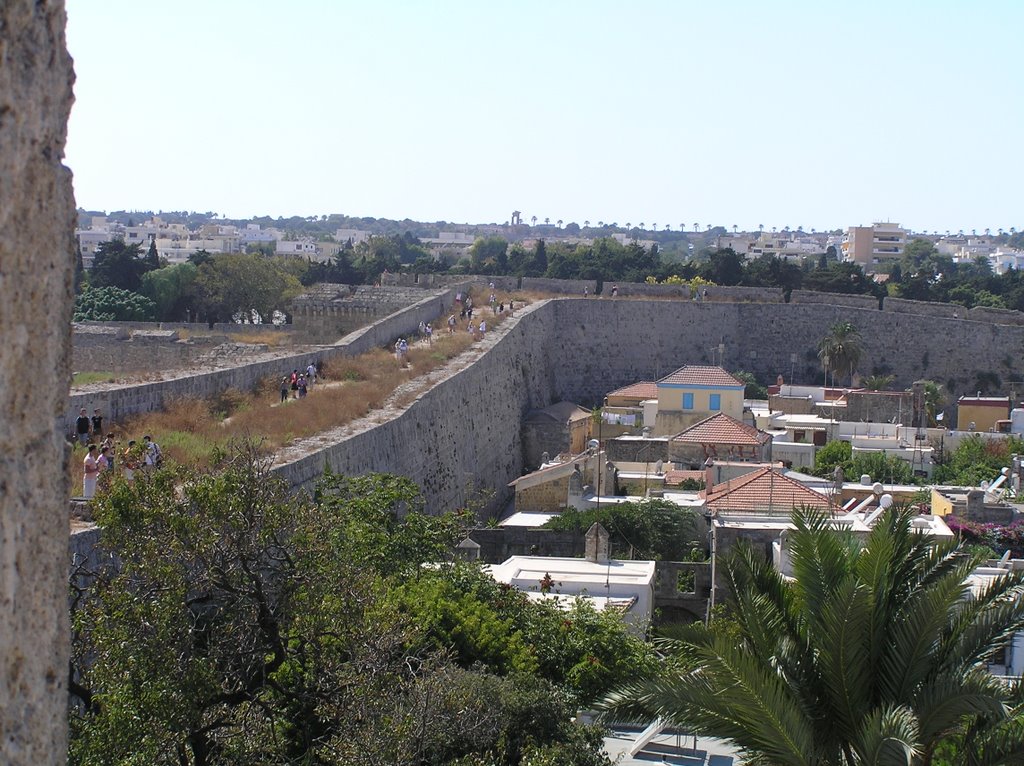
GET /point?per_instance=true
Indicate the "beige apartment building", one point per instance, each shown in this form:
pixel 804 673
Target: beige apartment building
pixel 869 246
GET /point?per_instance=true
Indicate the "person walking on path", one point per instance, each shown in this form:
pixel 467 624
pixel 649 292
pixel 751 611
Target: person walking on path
pixel 104 459
pixel 303 386
pixel 97 425
pixel 153 455
pixel 91 468
pixel 82 427
pixel 430 335
pixel 310 375
pixel 284 389
pixel 130 460
pixel 451 324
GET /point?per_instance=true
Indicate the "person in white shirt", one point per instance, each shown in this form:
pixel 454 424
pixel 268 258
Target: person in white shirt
pixel 91 473
pixel 153 457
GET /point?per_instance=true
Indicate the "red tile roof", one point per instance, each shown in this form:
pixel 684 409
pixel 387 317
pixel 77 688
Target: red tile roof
pixel 700 375
pixel 646 389
pixel 722 429
pixel 762 491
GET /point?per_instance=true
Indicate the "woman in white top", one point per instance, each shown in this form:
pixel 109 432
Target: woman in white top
pixel 91 467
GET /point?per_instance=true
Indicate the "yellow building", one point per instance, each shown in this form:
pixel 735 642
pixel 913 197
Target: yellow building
pixel 693 393
pixel 981 413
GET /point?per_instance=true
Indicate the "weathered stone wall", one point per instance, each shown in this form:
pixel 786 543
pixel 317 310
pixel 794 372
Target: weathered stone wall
pixel 195 330
pixel 499 543
pixel 549 496
pixel 995 316
pixel 834 299
pixel 123 350
pixel 923 308
pixel 601 345
pixel 37 223
pixel 326 312
pixel 460 437
pixel 564 286
pixel 118 401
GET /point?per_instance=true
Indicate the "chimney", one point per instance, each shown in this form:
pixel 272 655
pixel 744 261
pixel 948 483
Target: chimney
pixel 597 544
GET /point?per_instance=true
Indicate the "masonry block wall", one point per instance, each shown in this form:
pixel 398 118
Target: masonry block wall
pixel 328 311
pixel 120 401
pixel 546 497
pixel 37 223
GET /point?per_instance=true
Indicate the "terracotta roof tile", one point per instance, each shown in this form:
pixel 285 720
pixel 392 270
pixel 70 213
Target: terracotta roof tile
pixel 762 491
pixel 700 375
pixel 646 389
pixel 722 429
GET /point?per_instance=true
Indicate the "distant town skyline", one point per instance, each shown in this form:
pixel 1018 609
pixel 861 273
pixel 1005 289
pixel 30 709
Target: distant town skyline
pixel 738 114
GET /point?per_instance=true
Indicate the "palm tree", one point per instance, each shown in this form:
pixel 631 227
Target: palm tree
pixel 641 225
pixel 600 224
pixel 558 223
pixel 871 654
pixel 586 224
pixel 840 351
pixel 696 226
pixel 628 226
pixel 533 220
pixel 547 221
pixel 734 228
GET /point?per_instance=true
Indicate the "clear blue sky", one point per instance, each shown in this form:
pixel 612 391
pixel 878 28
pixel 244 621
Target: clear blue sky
pixel 819 114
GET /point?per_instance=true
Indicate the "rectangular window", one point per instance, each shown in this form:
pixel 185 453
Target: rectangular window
pixel 687 401
pixel 716 402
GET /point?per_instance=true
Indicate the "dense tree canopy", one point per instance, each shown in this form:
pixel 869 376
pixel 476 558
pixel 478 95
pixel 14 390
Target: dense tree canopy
pixel 245 625
pixel 112 304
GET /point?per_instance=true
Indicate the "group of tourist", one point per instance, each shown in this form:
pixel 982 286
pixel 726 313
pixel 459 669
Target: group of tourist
pixel 101 452
pixel 298 384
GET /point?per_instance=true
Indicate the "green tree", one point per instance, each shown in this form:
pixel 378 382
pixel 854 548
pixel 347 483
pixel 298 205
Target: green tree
pixel 489 255
pixel 249 287
pixel 243 624
pixel 172 290
pixel 112 304
pixel 152 256
pixel 835 454
pixel 840 351
pixel 871 654
pixel 648 529
pixel 116 264
pixel 751 388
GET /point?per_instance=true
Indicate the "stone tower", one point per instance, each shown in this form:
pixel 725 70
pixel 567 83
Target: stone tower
pixel 37 223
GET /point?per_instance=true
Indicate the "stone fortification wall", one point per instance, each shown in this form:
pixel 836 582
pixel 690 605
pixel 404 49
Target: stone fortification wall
pixel 37 224
pixel 460 437
pixel 834 299
pixel 995 316
pixel 122 350
pixel 120 401
pixel 739 294
pixel 923 308
pixel 328 311
pixel 563 286
pixel 191 329
pixel 601 345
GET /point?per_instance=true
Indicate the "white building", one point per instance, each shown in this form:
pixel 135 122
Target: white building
pixel 626 586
